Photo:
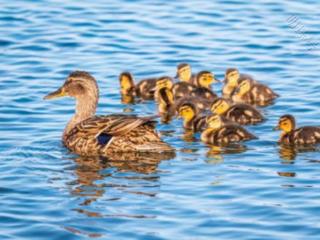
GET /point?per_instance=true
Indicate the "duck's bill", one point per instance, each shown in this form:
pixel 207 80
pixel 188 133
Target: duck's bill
pixel 56 94
pixel 215 80
pixel 276 128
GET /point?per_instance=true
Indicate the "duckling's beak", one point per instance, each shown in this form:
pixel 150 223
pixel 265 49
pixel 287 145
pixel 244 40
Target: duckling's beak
pixel 215 80
pixel 277 128
pixel 56 94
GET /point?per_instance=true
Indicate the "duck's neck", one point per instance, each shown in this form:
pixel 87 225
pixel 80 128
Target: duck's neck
pixel 85 108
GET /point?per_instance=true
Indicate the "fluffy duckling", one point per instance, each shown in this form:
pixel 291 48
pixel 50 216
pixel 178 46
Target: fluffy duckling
pixel 297 136
pixel 191 120
pixel 237 112
pixel 144 89
pixel 254 93
pixel 184 73
pixel 200 87
pixel 166 105
pixel 232 79
pixel 220 133
pixel 163 82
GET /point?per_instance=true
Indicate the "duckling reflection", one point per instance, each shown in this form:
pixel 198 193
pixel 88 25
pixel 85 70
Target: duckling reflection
pixel 290 152
pixel 215 153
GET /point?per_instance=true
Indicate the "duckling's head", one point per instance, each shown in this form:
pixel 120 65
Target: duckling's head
pixel 206 78
pixel 187 111
pixel 286 123
pixel 165 96
pixel 232 76
pixel 126 83
pixel 244 87
pixel 214 122
pixel 80 85
pixel 184 72
pixel 164 82
pixel 220 106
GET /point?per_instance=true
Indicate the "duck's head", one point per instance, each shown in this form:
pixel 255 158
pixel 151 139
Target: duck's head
pixel 184 72
pixel 80 85
pixel 206 78
pixel 286 123
pixel 220 106
pixel 187 111
pixel 232 76
pixel 126 83
pixel 214 122
pixel 244 87
pixel 165 96
pixel 164 82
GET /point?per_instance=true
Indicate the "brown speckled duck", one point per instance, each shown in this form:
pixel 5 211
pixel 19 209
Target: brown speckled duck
pixel 145 89
pixel 220 133
pixel 88 134
pixel 254 93
pixel 297 136
pixel 237 112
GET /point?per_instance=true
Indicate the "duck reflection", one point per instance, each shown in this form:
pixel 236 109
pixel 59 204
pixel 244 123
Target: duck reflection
pixel 215 153
pixel 290 152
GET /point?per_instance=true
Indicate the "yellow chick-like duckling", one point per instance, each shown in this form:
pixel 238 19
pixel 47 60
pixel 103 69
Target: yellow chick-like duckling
pixel 191 118
pixel 219 132
pixel 237 112
pixel 297 136
pixel 163 82
pixel 254 93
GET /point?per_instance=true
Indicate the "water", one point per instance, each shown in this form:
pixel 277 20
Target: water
pixel 257 192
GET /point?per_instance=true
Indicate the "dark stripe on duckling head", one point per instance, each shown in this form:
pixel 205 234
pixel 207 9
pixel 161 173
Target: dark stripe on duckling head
pixel 290 118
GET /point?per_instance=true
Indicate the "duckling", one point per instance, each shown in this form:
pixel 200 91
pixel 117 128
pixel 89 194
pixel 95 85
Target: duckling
pixel 220 133
pixel 232 79
pixel 184 73
pixel 200 87
pixel 144 89
pixel 238 112
pixel 296 136
pixel 254 93
pixel 91 135
pixel 166 105
pixel 191 120
pixel 163 82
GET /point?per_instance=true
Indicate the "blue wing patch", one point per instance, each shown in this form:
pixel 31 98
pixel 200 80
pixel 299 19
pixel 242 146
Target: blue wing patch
pixel 104 138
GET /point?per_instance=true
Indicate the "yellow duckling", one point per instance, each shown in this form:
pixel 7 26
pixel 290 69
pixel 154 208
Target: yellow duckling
pixel 184 73
pixel 219 132
pixel 163 82
pixel 200 87
pixel 254 93
pixel 91 135
pixel 191 120
pixel 232 80
pixel 237 112
pixel 297 136
pixel 144 89
pixel 166 105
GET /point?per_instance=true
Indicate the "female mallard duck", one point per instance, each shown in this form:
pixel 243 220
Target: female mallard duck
pixel 144 89
pixel 87 134
pixel 254 93
pixel 297 136
pixel 237 112
pixel 222 133
pixel 232 80
pixel 163 82
pixel 191 119
pixel 200 87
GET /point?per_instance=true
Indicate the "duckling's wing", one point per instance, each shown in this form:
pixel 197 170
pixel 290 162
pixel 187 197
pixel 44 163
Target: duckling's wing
pixel 307 135
pixel 235 133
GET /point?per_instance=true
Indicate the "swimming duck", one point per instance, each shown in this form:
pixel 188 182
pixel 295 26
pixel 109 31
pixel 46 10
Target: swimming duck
pixel 200 87
pixel 297 136
pixel 163 82
pixel 166 105
pixel 232 80
pixel 184 73
pixel 88 134
pixel 144 89
pixel 219 132
pixel 254 93
pixel 238 112
pixel 191 118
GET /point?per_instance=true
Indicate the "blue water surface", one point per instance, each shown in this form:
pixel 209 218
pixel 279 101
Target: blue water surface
pixel 260 191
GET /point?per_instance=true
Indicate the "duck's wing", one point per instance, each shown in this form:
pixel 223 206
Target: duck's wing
pixel 306 135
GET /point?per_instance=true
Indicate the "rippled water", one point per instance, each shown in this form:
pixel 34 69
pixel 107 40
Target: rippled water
pixel 258 192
